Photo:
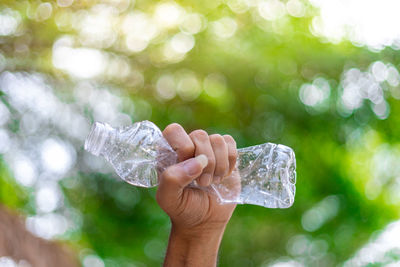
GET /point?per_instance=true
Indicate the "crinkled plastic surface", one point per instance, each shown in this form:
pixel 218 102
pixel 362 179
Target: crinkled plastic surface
pixel 137 152
pixel 265 174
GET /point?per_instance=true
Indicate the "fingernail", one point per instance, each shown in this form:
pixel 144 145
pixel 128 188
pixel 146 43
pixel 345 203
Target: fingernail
pixel 202 159
pixel 217 179
pixel 191 167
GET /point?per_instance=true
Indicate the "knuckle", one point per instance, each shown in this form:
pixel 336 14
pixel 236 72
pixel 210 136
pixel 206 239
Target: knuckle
pixel 199 134
pixel 229 139
pixel 173 127
pixel 217 139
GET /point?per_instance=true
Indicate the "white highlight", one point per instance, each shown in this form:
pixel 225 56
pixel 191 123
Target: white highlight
pixel 56 156
pixel 375 251
pixel 5 141
pixel 25 171
pixel 47 226
pixel 166 86
pixel 182 43
pixel 224 28
pixel 48 197
pixel 9 21
pixel 188 86
pixel 192 23
pixel 44 11
pixel 93 261
pixel 364 22
pixel 168 15
pixel 139 30
pixel 97 27
pixel 295 8
pixel 358 86
pixel 315 94
pixel 78 62
pixel 271 9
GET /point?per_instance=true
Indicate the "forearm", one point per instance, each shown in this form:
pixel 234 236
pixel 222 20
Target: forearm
pixel 193 250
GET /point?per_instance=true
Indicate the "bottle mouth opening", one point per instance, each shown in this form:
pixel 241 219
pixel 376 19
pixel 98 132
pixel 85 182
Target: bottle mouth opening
pixel 96 138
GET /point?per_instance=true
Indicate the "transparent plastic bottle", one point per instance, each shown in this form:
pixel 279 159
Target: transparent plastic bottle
pixel 265 174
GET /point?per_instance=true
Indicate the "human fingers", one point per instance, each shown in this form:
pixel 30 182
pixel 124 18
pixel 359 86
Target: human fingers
pixel 232 152
pixel 176 177
pixel 179 140
pixel 220 149
pixel 202 145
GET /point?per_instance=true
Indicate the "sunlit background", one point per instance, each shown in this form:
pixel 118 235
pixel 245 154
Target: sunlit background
pixel 319 76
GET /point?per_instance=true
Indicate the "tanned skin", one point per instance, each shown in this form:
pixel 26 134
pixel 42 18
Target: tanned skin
pixel 198 220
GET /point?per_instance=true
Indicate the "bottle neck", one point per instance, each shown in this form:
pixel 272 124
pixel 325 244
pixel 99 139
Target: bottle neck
pixel 98 135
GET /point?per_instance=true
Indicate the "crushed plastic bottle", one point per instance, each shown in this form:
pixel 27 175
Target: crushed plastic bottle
pixel 265 174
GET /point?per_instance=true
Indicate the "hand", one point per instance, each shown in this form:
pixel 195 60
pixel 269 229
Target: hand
pixel 191 208
pixel 196 214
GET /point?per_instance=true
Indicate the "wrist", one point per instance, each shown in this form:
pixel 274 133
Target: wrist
pixel 201 233
pixel 194 247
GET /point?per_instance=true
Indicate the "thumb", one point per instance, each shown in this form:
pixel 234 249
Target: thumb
pixel 176 177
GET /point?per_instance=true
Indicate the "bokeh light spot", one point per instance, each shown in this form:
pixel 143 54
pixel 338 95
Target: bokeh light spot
pixel 44 11
pixel 239 6
pixel 165 86
pixel 358 85
pixel 224 28
pixel 139 29
pixel 325 210
pixel 188 87
pixel 79 62
pixel 56 156
pixel 215 85
pixel 5 141
pixel 271 9
pixel 24 171
pixel 64 3
pixel 93 261
pixel 192 23
pixel 182 43
pixel 9 21
pixel 295 8
pixel 316 94
pixel 168 14
pixel 47 226
pixel 48 197
pixel 97 27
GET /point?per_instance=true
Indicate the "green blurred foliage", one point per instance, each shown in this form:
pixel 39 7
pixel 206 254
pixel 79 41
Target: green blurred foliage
pixel 247 85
